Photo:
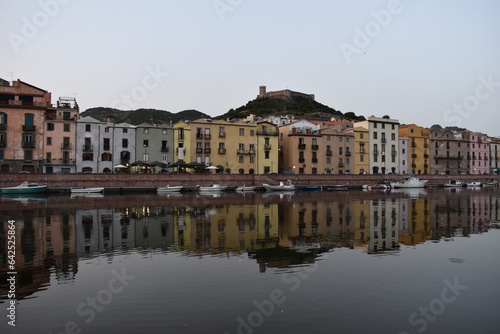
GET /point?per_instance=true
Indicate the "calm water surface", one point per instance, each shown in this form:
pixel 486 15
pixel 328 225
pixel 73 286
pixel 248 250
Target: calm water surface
pixel 314 262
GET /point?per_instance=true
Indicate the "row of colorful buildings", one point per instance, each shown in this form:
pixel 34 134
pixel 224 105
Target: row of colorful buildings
pixel 40 137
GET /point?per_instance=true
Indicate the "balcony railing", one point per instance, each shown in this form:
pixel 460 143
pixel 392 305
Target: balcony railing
pixel 448 157
pixel 384 140
pixel 207 150
pixel 241 152
pixel 267 146
pixel 414 155
pixel 29 127
pixel 329 153
pixel 268 133
pixel 341 164
pixel 348 153
pixel 66 146
pixel 302 160
pixel 413 144
pixel 208 136
pixel 164 149
pixel 88 148
pixel 302 146
pixel 314 160
pixel 199 136
pixel 28 144
pixel 252 152
pixel 199 150
pixel 3 144
pixel 222 151
pixel 3 126
pixel 314 147
pixel 222 135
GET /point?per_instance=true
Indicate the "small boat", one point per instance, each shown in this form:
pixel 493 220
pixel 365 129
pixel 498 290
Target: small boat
pixel 87 190
pixel 309 188
pixel 337 187
pixel 169 189
pixel 474 184
pixel 245 188
pixel 409 182
pixel 281 187
pixel 375 186
pixel 25 188
pixel 212 188
pixel 454 183
pixel 493 183
pixel 87 195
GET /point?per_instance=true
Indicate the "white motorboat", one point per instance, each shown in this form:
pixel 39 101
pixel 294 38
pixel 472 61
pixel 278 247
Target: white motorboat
pixel 212 188
pixel 245 188
pixel 281 187
pixel 169 189
pixel 409 182
pixel 87 190
pixel 474 184
pixel 454 183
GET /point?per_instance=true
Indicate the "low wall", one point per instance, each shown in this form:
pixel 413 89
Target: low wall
pixel 151 181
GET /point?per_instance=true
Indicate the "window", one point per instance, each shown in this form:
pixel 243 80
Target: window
pixel 88 157
pixel 252 133
pixel 242 132
pixel 361 135
pixel 164 131
pixel 180 133
pixel 48 157
pixel 266 155
pixel 3 118
pixel 383 125
pixel 374 125
pixel 241 159
pixel 146 131
pixel 124 142
pixel 105 144
pixel 87 128
pixel 28 155
pixel 375 135
pixel 106 130
pixel 252 159
pixel 66 115
pixel 125 130
pixel 66 127
pixel 340 150
pixel 49 141
pixel 50 126
pixel 340 139
pixel 145 143
pixel 393 136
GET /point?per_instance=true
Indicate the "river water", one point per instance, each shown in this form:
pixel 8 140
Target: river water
pixel 307 262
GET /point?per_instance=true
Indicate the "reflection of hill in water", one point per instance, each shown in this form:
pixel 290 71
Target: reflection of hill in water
pixel 282 257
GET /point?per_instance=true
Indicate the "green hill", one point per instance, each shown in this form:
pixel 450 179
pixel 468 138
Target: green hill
pixel 297 105
pixel 143 115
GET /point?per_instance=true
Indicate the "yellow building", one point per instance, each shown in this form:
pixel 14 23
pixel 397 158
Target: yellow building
pixel 415 225
pixel 299 143
pixel 361 150
pixel 418 147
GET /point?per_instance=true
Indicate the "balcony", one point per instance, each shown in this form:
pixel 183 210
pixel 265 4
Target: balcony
pixel 251 152
pixel 30 128
pixel 414 155
pixel 426 145
pixel 66 146
pixel 268 133
pixel 241 152
pixel 207 150
pixel 329 153
pixel 164 149
pixel 88 148
pixel 314 160
pixel 426 156
pixel 413 144
pixel 199 136
pixel 375 152
pixel 413 165
pixel 348 153
pixel 302 160
pixel 208 136
pixel 394 153
pixel 3 126
pixel 199 150
pixel 426 166
pixel 3 143
pixel 384 140
pixel 28 144
pixel 302 146
pixel 267 146
pixel 222 151
pixel 341 164
pixel 448 157
pixel 222 135
pixel 314 147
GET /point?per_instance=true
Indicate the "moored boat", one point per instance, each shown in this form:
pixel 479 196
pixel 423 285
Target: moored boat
pixel 474 184
pixel 409 182
pixel 87 190
pixel 25 188
pixel 281 187
pixel 454 183
pixel 337 187
pixel 212 188
pixel 245 188
pixel 309 188
pixel 169 189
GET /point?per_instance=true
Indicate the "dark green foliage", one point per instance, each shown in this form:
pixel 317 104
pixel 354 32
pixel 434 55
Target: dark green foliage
pixel 143 115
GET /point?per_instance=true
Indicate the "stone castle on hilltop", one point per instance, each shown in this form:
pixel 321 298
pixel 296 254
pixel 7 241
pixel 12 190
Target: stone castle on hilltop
pixel 285 94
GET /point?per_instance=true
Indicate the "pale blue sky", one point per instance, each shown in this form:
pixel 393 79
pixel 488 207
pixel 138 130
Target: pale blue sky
pixel 411 59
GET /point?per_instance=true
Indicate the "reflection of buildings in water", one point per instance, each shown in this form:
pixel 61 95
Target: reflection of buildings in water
pixel 45 246
pixel 495 208
pixel 414 220
pixel 384 222
pixel 100 230
pixel 460 214
pixel 226 229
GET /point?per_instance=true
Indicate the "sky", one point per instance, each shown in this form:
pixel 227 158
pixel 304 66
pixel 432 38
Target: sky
pixel 419 61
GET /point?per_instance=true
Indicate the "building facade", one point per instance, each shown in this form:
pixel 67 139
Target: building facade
pixel 418 148
pixel 448 151
pixel 479 153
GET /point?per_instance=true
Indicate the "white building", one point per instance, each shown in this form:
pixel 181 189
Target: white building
pixel 102 145
pixel 383 135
